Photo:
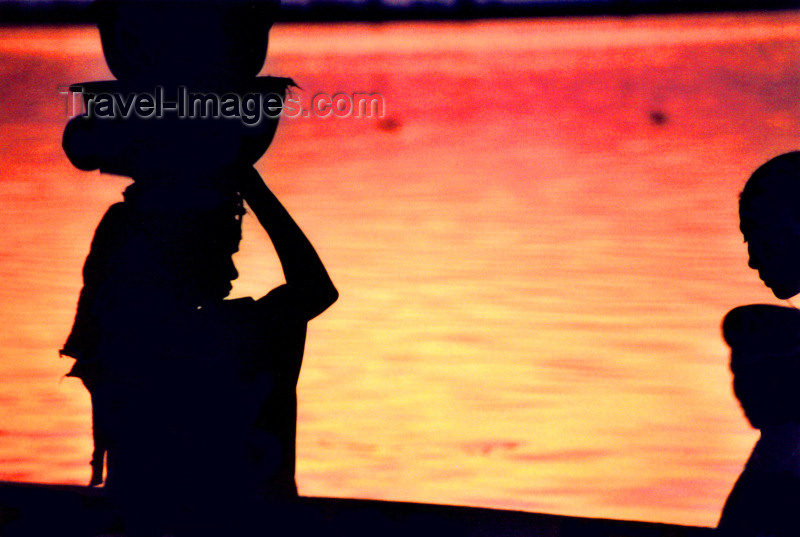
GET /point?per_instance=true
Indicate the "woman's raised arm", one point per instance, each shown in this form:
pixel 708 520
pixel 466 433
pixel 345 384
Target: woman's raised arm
pixel 308 285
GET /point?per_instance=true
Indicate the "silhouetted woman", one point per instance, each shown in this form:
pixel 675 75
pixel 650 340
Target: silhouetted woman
pixel 198 393
pixel 765 357
pixel 193 396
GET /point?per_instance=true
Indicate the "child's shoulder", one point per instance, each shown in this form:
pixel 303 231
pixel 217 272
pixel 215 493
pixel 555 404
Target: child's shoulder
pixel 764 327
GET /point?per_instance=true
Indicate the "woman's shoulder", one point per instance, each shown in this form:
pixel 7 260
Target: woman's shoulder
pixel 278 307
pixel 273 305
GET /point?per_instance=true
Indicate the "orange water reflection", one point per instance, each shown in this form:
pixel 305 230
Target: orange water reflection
pixel 532 268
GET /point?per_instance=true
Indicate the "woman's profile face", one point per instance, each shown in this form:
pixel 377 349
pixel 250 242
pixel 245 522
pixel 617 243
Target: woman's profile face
pixel 208 274
pixel 773 244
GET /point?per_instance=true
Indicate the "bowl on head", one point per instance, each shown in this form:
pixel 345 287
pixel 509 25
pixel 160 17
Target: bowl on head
pixel 173 144
pixel 184 41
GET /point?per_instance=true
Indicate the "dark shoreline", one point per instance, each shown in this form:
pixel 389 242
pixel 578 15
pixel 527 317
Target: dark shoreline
pixel 65 12
pixel 68 510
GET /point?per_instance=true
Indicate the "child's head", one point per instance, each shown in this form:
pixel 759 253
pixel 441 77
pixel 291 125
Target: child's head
pixel 769 212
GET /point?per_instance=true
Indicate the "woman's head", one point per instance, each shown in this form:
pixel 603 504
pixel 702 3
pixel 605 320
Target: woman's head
pixel 769 212
pixel 203 260
pixel 181 256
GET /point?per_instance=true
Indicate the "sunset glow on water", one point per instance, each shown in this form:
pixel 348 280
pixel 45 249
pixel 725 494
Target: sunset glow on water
pixel 534 251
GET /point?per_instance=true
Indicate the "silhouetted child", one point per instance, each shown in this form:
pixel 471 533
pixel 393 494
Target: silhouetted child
pixel 765 357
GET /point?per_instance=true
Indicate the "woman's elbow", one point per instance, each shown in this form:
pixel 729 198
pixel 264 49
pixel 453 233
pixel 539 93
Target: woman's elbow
pixel 322 298
pixel 328 296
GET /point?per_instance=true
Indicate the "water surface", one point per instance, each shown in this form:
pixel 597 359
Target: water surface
pixel 534 250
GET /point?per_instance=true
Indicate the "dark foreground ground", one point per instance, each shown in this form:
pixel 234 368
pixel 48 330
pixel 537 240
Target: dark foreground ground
pixel 64 510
